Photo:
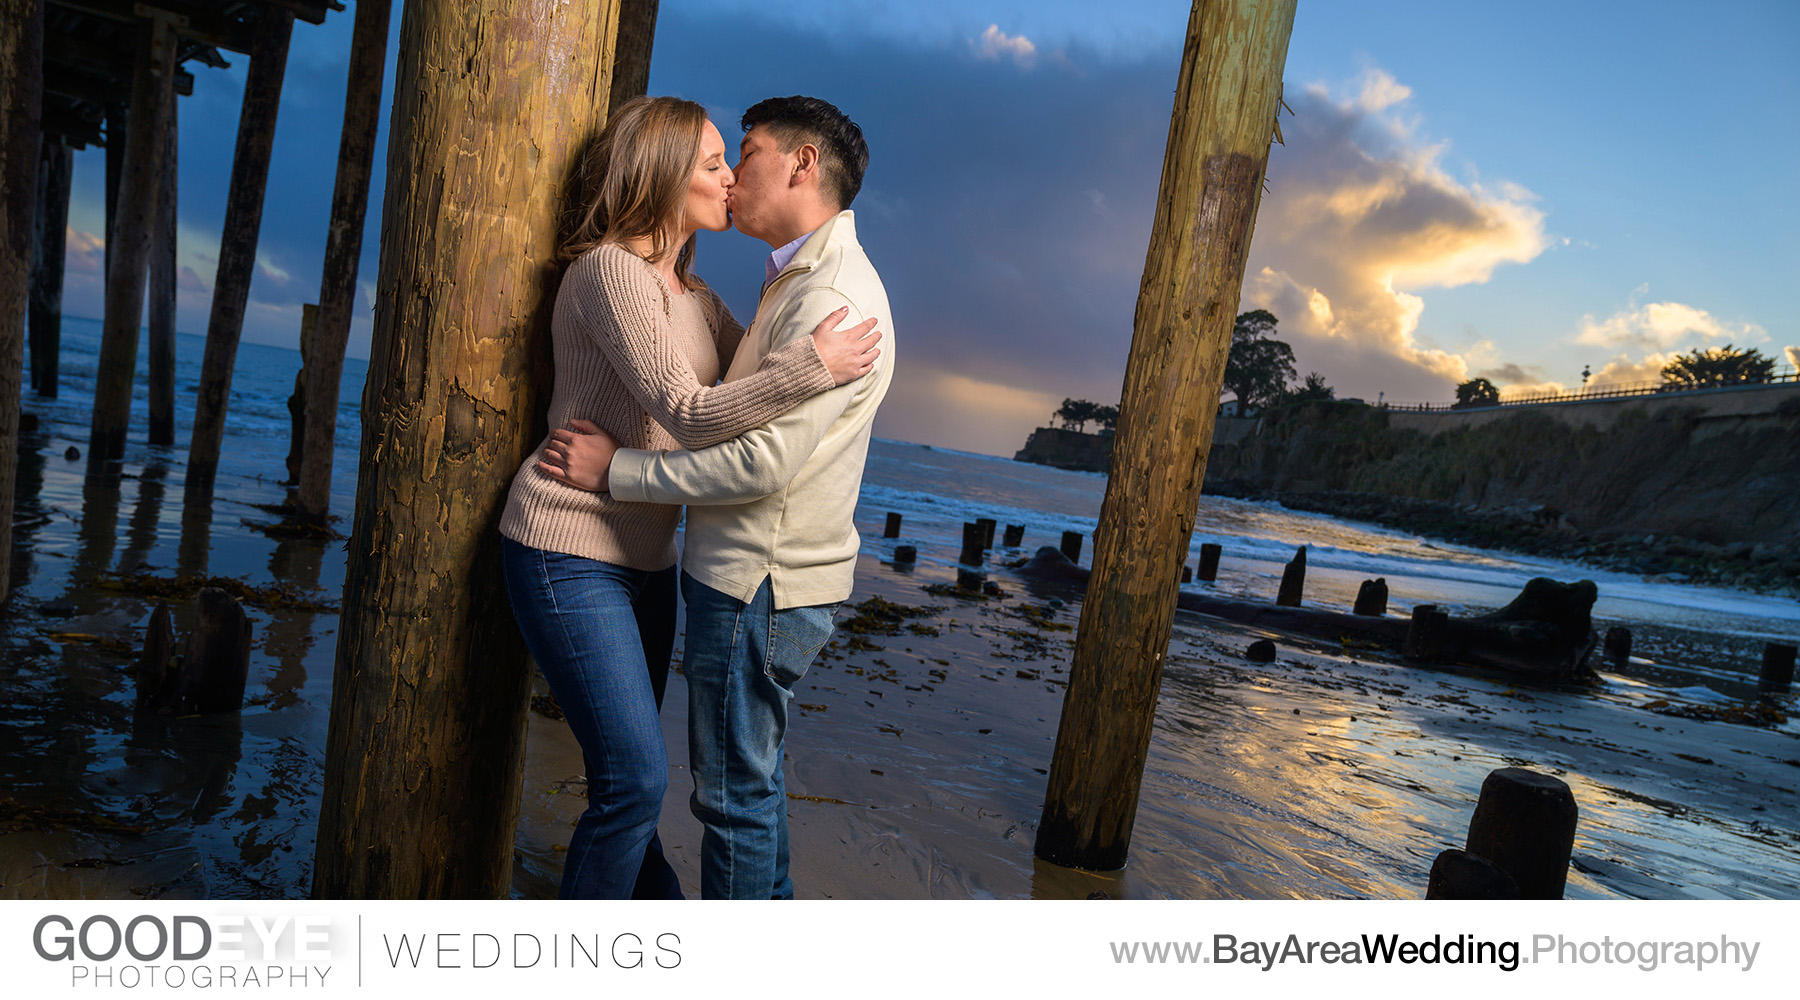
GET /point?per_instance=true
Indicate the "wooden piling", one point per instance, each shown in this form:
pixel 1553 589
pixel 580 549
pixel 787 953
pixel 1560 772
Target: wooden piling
pixel 1187 573
pixel 1208 569
pixel 56 170
pixel 1457 874
pixel 296 404
pixel 1618 647
pixel 217 661
pixel 425 749
pixel 892 530
pixel 1071 546
pixel 118 136
pixel 162 294
pixel 1014 536
pixel 987 531
pixel 1293 581
pixel 140 187
pixel 237 244
pixel 971 544
pixel 1371 598
pixel 324 368
pixel 1224 117
pixel 1425 632
pixel 631 61
pixel 22 94
pixel 906 554
pixel 1777 669
pixel 1524 823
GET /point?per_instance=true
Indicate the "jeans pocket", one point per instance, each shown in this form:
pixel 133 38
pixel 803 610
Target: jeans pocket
pixel 795 637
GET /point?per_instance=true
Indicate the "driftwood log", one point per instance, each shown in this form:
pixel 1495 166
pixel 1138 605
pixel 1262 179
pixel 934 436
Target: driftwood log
pixel 1546 633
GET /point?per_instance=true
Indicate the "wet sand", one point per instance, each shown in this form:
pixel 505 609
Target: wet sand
pixel 917 768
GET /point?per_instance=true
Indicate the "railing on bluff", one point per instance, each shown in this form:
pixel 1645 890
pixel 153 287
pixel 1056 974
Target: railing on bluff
pixel 1609 391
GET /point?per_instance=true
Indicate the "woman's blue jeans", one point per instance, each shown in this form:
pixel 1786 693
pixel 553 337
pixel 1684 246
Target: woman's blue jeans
pixel 602 635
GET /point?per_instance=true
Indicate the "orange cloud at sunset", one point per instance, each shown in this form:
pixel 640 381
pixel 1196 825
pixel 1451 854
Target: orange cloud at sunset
pixel 1358 221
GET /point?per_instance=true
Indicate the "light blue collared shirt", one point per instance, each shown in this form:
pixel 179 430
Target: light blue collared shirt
pixel 781 257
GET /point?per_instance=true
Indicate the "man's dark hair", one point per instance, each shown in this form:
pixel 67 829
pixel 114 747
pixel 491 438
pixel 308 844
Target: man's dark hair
pixel 843 155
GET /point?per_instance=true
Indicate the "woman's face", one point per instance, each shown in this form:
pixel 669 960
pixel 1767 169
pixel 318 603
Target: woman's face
pixel 710 184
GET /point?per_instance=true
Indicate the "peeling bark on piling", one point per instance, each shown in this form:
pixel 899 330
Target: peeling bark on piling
pixel 56 170
pixel 1224 117
pixel 128 243
pixel 493 106
pixel 162 296
pixel 237 245
pixel 21 91
pixel 324 368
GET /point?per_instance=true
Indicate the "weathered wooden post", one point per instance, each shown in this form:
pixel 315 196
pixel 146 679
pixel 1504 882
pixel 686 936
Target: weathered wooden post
pixel 140 186
pixel 56 170
pixel 237 245
pixel 162 294
pixel 1425 632
pixel 987 531
pixel 1187 573
pixel 118 136
pixel 1524 823
pixel 1224 119
pixel 892 528
pixel 1014 536
pixel 631 59
pixel 22 94
pixel 323 370
pixel 1618 647
pixel 423 759
pixel 1777 668
pixel 1293 581
pixel 1371 598
pixel 1071 546
pixel 1208 569
pixel 296 404
pixel 971 544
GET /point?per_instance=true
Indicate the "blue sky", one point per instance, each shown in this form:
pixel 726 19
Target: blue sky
pixel 1506 190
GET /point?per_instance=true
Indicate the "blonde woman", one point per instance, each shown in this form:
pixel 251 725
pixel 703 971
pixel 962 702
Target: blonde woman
pixel 639 342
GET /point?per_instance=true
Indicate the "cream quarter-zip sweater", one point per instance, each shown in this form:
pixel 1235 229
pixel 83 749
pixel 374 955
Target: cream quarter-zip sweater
pixel 641 363
pixel 777 501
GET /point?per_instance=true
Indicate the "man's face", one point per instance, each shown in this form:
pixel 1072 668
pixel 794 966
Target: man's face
pixel 762 176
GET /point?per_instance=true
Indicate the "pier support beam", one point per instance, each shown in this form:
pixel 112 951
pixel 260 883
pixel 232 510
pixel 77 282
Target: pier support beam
pixel 324 366
pixel 56 170
pixel 22 94
pixel 428 704
pixel 237 247
pixel 631 60
pixel 162 295
pixel 1224 119
pixel 128 244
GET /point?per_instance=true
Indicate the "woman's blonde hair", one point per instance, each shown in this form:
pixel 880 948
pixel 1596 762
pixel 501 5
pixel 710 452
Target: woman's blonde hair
pixel 638 172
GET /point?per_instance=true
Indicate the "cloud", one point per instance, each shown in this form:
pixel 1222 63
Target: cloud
pixel 1660 326
pixel 1793 355
pixel 1359 221
pixel 996 44
pixel 1621 370
pixel 975 415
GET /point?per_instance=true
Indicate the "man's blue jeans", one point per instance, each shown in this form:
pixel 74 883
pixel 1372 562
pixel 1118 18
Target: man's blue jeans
pixel 602 636
pixel 741 663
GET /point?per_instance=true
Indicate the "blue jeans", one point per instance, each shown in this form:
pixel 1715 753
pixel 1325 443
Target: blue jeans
pixel 602 636
pixel 742 662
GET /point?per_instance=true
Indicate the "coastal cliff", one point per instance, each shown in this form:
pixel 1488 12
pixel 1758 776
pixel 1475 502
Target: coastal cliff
pixel 1067 449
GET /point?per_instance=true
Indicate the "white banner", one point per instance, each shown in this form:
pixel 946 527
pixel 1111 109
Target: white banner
pixel 897 949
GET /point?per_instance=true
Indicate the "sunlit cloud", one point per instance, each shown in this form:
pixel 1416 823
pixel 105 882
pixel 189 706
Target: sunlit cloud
pixel 1622 370
pixel 1793 355
pixel 930 405
pixel 996 44
pixel 1660 326
pixel 1360 220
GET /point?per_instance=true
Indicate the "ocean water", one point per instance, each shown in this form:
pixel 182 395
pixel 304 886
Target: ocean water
pixel 227 806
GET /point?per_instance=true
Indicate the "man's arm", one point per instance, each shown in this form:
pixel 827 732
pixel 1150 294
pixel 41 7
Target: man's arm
pixel 756 463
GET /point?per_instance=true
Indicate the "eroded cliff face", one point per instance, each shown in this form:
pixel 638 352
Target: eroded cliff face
pixel 1666 469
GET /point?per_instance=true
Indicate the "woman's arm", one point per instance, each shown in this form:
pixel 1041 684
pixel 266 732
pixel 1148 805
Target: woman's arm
pixel 621 303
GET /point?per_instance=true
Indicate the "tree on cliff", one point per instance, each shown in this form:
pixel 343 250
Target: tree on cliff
pixel 1718 366
pixel 1313 387
pixel 1259 367
pixel 1075 413
pixel 1108 417
pixel 1476 392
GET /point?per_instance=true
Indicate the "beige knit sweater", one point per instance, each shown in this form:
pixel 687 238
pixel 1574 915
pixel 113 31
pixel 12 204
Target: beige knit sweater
pixel 641 362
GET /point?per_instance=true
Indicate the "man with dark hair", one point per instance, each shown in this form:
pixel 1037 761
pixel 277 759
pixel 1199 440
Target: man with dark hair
pixel 770 549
